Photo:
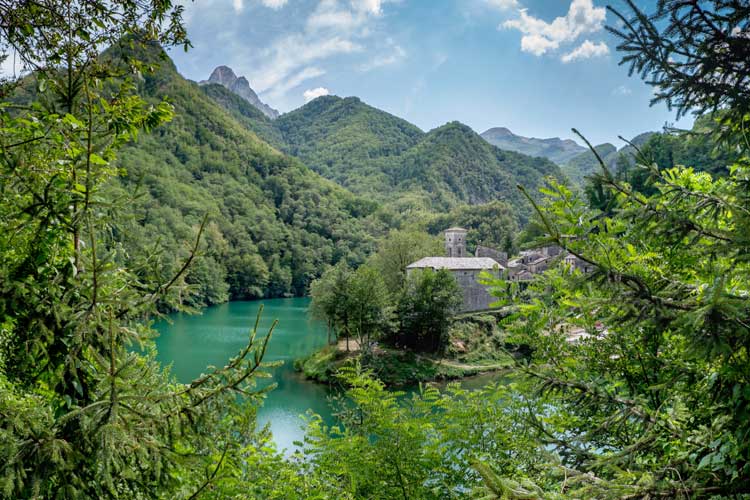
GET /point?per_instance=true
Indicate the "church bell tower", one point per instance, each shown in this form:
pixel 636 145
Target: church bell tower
pixel 455 242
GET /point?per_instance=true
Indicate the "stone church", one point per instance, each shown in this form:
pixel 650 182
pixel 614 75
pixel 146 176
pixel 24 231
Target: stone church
pixel 465 269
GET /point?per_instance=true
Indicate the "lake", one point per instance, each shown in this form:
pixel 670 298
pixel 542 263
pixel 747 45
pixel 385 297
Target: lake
pixel 192 342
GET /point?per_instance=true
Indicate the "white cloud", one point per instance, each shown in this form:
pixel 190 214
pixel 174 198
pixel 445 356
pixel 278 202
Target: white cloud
pixel 371 6
pixel 344 16
pixel 294 81
pixel 286 56
pixel 397 53
pixel 621 91
pixel 274 4
pixel 504 4
pixel 334 27
pixel 586 50
pixel 540 36
pixel 321 31
pixel 311 94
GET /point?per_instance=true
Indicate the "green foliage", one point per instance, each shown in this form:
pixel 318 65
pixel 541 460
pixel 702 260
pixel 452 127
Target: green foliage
pixel 246 114
pixel 388 445
pixel 370 307
pixel 399 249
pixel 426 304
pixel 694 54
pixel 274 224
pixel 344 140
pixel 374 153
pixel 476 339
pixel 85 410
pixel 584 164
pixel 493 224
pixel 454 166
pixel 353 304
pixel 655 400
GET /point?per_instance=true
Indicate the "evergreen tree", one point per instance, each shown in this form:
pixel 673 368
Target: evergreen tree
pixel 695 54
pixel 85 410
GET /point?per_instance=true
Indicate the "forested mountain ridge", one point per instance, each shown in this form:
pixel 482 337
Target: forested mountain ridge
pixel 373 152
pixel 245 113
pixel 553 148
pixel 455 165
pixel 274 224
pixel 347 140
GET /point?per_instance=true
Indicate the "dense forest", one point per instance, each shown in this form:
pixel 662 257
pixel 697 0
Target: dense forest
pixel 273 224
pixel 110 164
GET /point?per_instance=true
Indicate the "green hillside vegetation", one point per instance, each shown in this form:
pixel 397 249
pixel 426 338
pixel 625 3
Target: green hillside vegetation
pixel 344 139
pixel 274 224
pixel 373 152
pixel 585 164
pixel 246 114
pixel 455 165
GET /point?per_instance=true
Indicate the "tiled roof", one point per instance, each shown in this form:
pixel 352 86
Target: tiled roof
pixel 453 263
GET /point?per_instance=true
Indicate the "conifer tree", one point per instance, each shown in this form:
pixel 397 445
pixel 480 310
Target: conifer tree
pixel 85 410
pixel 653 400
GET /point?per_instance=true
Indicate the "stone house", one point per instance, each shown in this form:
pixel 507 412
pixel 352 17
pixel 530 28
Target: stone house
pixel 464 268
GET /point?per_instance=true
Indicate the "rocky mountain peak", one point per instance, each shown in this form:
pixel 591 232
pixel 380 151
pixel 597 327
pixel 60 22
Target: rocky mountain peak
pixel 225 76
pixel 500 131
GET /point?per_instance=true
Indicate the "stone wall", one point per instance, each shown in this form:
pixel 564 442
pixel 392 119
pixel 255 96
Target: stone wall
pixel 476 296
pixel 497 255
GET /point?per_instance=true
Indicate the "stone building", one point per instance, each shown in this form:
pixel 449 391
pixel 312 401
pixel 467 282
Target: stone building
pixel 465 269
pixel 455 242
pixel 497 255
pixel 537 260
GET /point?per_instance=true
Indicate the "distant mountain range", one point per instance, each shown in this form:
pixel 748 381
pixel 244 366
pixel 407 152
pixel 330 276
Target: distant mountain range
pixel 576 161
pixel 224 75
pixel 558 150
pixel 585 164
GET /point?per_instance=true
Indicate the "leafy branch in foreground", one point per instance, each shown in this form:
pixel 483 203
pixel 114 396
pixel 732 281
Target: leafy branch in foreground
pixel 85 413
pixel 695 54
pixel 653 400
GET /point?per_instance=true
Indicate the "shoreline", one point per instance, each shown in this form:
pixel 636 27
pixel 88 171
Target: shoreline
pixel 396 368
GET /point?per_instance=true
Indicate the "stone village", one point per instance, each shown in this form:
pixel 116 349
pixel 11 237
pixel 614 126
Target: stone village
pixel 467 268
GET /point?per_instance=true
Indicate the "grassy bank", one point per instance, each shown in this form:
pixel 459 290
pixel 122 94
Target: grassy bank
pixel 476 345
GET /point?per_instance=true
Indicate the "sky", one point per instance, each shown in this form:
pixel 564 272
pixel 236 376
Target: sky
pixel 537 67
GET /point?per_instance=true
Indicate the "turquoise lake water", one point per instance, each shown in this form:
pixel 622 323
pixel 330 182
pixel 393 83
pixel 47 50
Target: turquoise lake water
pixel 193 342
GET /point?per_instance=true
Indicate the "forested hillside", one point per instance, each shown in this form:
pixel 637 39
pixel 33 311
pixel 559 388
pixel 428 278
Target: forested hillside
pixel 372 152
pixel 455 165
pixel 696 148
pixel 273 223
pixel 347 141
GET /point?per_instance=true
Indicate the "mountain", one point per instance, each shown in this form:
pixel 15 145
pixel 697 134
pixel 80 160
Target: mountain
pixel 558 150
pixel 348 141
pixel 455 165
pixel 224 76
pixel 274 225
pixel 374 153
pixel 585 164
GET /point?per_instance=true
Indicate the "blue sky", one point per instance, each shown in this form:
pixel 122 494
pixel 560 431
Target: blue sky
pixel 538 67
